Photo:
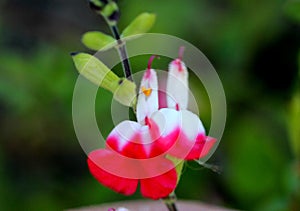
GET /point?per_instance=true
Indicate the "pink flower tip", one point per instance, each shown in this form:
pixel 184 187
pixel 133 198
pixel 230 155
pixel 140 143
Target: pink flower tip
pixel 180 52
pixel 150 64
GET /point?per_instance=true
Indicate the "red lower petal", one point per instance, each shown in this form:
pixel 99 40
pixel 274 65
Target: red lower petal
pixel 134 148
pixel 191 150
pixel 137 146
pixel 209 143
pixel 130 139
pixel 164 143
pixel 160 186
pixel 103 157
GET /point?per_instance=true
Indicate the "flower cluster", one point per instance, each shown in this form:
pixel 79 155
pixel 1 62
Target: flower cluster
pixel 144 151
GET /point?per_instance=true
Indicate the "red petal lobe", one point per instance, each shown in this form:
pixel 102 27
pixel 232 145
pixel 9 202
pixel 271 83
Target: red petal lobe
pixel 119 184
pixel 160 186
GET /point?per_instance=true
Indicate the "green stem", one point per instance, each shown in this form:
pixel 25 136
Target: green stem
pixel 122 52
pixel 109 10
pixel 170 202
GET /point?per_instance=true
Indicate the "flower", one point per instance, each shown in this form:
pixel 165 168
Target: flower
pixel 136 151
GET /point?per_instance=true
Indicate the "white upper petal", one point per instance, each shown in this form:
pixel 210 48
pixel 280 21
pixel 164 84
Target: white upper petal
pixel 147 104
pixel 184 131
pixel 191 125
pixel 130 132
pixel 167 120
pixel 177 85
pixel 124 131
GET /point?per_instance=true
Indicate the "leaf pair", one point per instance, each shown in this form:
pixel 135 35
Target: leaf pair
pixel 95 71
pixel 96 40
pixel 90 67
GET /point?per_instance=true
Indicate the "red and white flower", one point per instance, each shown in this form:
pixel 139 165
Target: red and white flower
pixel 136 151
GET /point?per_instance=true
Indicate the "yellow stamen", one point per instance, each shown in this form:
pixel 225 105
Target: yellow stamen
pixel 146 91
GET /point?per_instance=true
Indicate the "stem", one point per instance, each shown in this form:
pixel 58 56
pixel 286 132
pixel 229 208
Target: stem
pixel 122 52
pixel 171 207
pixel 170 202
pixel 109 10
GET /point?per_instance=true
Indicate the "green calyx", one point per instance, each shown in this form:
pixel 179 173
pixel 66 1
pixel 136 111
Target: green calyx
pixel 110 9
pixel 107 8
pixel 179 163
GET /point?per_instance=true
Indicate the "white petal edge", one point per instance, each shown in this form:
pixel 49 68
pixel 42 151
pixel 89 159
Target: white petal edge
pixel 191 125
pixel 169 120
pixel 126 130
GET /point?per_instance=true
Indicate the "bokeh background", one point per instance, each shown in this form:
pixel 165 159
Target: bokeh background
pixel 253 45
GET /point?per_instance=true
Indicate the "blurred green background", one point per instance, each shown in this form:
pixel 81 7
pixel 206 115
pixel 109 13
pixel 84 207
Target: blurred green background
pixel 253 45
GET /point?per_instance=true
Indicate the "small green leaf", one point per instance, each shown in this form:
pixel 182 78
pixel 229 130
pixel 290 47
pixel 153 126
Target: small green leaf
pixel 108 9
pixel 97 40
pixel 111 13
pixel 95 71
pixel 141 24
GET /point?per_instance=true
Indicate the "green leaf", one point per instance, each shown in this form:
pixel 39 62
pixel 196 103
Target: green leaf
pixel 95 71
pixel 141 24
pixel 97 40
pixel 292 9
pixel 126 92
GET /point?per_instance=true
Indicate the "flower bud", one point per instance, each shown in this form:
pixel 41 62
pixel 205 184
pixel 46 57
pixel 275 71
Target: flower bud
pixel 107 8
pixel 177 85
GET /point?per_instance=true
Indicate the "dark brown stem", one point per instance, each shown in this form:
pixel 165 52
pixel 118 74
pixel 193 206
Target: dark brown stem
pixel 111 17
pixel 122 52
pixel 170 202
pixel 171 207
